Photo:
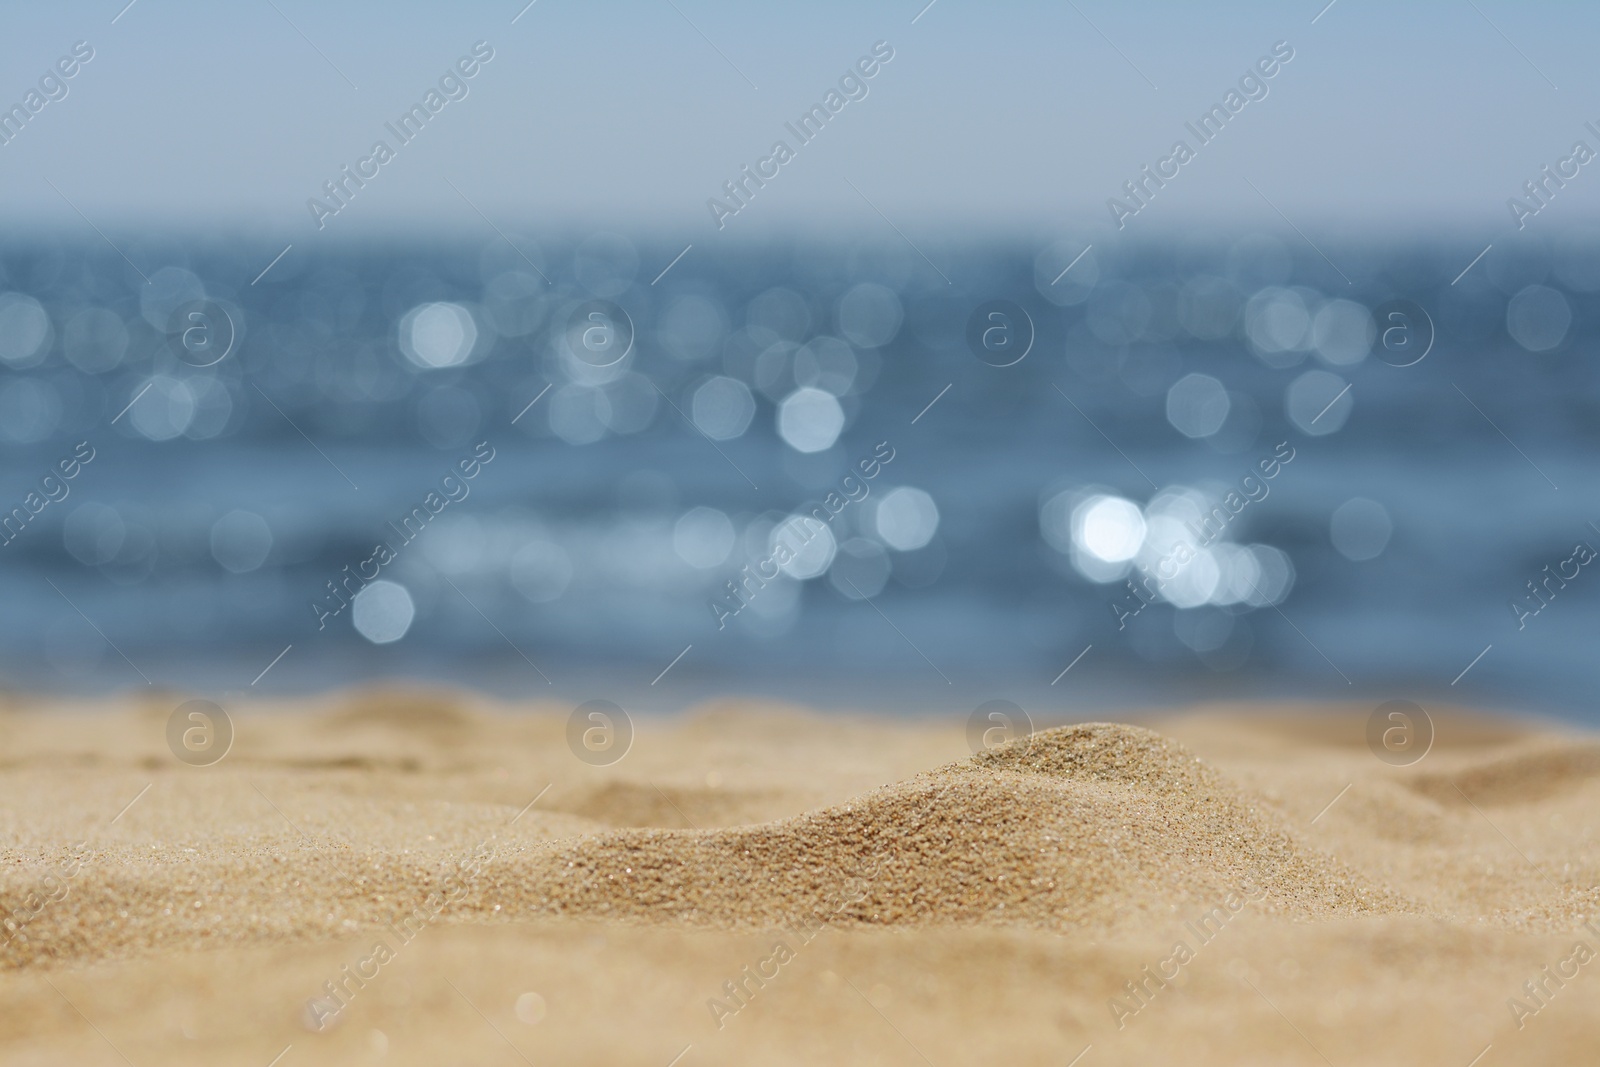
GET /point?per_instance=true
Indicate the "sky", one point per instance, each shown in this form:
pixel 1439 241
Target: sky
pixel 1024 118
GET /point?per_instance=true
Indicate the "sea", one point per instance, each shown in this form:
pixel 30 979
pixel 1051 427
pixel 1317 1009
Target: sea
pixel 852 473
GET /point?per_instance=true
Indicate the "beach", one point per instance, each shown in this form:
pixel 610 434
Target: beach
pixel 426 876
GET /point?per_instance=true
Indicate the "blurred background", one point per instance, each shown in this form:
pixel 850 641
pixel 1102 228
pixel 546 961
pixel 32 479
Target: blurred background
pixel 268 388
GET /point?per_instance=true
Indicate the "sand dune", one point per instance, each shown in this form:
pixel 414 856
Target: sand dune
pixel 1295 868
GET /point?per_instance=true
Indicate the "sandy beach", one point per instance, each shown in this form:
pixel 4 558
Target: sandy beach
pixel 411 877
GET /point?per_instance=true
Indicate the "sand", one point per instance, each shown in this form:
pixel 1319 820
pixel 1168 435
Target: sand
pixel 413 877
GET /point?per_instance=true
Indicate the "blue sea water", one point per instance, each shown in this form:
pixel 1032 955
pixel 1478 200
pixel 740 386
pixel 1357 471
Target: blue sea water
pixel 244 459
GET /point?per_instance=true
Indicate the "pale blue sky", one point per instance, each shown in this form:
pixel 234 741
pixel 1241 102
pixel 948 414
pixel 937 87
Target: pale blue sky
pixel 622 115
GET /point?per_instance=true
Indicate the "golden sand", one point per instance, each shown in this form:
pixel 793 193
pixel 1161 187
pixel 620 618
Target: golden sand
pixel 372 880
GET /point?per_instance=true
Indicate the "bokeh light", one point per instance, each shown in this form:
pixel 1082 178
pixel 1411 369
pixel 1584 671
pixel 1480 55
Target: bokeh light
pixel 905 518
pixel 436 335
pixel 869 315
pixel 1360 529
pixel 703 537
pixel 240 541
pixel 93 533
pixel 810 420
pixel 25 330
pixel 1197 405
pixel 722 408
pixel 1109 528
pixel 1342 332
pixel 382 612
pixel 1537 318
pixel 811 546
pixel 1318 403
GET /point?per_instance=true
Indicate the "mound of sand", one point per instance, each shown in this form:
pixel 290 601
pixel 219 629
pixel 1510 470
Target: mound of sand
pixel 1077 825
pixel 1541 770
